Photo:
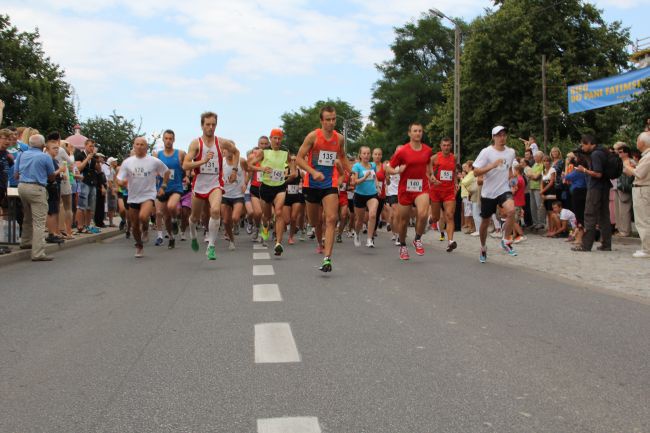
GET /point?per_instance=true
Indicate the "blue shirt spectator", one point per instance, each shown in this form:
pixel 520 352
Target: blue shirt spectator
pixel 576 179
pixel 15 151
pixel 34 166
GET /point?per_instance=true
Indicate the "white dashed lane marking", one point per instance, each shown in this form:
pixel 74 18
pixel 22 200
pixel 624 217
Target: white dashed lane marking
pixel 259 247
pixel 288 425
pixel 274 343
pixel 261 256
pixel 261 270
pixel 266 293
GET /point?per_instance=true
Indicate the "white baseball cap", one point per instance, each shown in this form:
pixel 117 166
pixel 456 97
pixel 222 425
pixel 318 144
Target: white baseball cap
pixel 497 129
pixel 111 160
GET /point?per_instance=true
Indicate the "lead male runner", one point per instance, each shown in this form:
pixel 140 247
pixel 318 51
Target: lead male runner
pixel 205 158
pixel 317 157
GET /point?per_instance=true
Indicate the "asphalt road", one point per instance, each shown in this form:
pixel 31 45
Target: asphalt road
pixel 99 341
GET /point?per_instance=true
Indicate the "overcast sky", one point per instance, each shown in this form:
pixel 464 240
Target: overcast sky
pixel 166 61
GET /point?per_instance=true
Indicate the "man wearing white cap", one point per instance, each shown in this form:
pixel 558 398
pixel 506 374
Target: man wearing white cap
pixel 494 163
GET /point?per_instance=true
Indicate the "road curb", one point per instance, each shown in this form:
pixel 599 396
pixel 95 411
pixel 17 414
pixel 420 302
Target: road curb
pixel 18 255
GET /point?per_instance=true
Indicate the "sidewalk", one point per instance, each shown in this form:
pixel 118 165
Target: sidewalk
pixel 614 271
pixel 17 254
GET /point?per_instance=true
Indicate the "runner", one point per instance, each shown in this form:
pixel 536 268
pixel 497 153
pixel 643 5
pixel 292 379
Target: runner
pixel 443 189
pixel 273 163
pixel 377 156
pixel 205 158
pixel 322 147
pixel 167 204
pixel 138 174
pixel 413 163
pixel 364 178
pixel 344 212
pixel 255 172
pixel 294 202
pixel 392 183
pixel 186 206
pixel 232 204
pixel 494 163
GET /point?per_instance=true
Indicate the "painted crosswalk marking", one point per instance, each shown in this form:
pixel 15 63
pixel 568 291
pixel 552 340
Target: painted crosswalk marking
pixel 261 270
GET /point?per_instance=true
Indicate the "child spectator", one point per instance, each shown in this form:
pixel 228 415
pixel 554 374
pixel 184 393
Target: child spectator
pixel 53 189
pixel 518 191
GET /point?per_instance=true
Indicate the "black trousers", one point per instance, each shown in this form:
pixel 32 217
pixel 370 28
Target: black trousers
pixel 597 213
pixel 99 209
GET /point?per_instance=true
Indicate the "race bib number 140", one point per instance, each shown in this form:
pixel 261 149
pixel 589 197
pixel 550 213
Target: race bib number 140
pixel 414 185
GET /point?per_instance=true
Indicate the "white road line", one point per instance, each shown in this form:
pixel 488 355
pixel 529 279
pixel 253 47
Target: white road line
pixel 261 256
pixel 274 343
pixel 266 293
pixel 263 270
pixel 259 247
pixel 307 424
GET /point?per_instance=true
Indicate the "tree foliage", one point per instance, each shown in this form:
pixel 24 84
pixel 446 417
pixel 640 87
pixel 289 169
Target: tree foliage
pixel 297 124
pixel 501 71
pixel 113 134
pixel 636 115
pixel 32 87
pixel 412 82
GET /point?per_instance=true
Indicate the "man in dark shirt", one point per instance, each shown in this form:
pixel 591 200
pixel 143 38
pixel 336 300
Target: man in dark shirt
pixel 87 164
pixel 597 203
pixel 6 161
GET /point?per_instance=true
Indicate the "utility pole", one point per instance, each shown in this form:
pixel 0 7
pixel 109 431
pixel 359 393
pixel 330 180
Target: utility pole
pixel 544 109
pixel 457 36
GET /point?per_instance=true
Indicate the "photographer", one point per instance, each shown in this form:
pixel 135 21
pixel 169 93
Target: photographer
pixel 577 182
pixel 87 165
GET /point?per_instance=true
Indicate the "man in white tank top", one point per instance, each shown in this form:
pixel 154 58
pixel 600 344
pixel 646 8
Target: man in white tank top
pixel 204 157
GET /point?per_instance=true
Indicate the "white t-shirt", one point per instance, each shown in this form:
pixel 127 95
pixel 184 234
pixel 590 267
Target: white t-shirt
pixel 534 148
pixel 141 174
pixel 495 181
pixel 391 188
pixel 106 169
pixel 567 215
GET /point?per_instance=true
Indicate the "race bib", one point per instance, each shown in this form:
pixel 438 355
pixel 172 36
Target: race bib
pixel 140 172
pixel 343 187
pixel 413 185
pixel 446 175
pixel 350 195
pixel 172 174
pixel 210 167
pixel 258 176
pixel 326 158
pixel 277 175
pixel 372 174
pixel 293 189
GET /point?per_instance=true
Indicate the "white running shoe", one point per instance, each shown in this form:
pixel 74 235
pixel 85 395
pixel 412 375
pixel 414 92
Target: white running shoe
pixel 476 233
pixel 231 246
pixel 370 243
pixel 357 241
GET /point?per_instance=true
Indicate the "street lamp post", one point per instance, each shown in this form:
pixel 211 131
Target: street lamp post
pixel 457 37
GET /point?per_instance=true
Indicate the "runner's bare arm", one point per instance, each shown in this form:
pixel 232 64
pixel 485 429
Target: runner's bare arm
pixel 189 163
pixel 304 150
pixel 229 145
pixel 254 158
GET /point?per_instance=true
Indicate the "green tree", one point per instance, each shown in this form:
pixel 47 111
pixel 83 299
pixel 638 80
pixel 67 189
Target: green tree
pixel 637 113
pixel 297 124
pixel 114 134
pixel 501 71
pixel 412 82
pixel 31 85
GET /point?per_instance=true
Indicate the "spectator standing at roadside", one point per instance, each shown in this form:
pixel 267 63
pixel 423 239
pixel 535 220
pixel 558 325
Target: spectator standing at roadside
pixel 597 202
pixel 53 189
pixel 577 181
pixel 15 148
pixel 111 190
pixel 623 197
pixel 102 187
pixel 641 192
pixel 67 179
pixel 34 168
pixel 534 186
pixel 6 161
pixel 549 177
pixel 86 162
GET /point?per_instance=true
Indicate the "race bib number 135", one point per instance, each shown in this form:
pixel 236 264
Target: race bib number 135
pixel 326 158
